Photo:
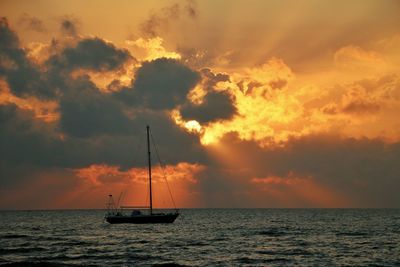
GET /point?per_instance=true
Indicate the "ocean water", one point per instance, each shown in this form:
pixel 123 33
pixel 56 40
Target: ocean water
pixel 204 237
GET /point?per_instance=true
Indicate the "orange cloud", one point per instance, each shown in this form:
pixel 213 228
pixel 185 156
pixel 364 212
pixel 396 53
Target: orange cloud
pixel 273 104
pixel 46 110
pixel 110 81
pixel 267 109
pixel 304 72
pixel 134 183
pixel 150 49
pixel 352 54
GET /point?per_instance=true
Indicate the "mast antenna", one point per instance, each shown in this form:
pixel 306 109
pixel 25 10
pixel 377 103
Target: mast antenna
pixel 149 161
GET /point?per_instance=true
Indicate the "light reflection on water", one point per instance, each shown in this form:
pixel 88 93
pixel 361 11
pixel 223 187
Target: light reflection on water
pixel 201 237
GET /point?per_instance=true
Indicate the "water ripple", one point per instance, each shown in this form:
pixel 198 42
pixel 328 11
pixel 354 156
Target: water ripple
pixel 221 237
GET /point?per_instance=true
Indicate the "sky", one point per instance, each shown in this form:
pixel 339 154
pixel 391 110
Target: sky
pixel 252 104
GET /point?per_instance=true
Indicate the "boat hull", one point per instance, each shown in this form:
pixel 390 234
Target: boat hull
pixel 142 219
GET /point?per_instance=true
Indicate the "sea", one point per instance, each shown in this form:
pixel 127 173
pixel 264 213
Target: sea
pixel 204 237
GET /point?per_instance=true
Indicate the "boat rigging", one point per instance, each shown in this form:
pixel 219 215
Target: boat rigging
pixel 116 215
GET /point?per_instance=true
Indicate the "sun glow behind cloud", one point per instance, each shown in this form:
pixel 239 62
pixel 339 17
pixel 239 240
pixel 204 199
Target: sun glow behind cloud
pixel 266 77
pixel 273 105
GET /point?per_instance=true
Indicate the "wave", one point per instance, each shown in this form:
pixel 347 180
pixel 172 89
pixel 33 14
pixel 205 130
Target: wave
pixel 352 234
pixel 13 236
pixel 20 250
pixel 36 264
pixel 252 261
pixel 272 232
pixel 169 264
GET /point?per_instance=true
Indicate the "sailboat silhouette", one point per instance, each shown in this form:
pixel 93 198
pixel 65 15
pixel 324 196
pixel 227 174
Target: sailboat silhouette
pixel 115 214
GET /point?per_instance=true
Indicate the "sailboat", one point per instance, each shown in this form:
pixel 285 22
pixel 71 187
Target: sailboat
pixel 137 216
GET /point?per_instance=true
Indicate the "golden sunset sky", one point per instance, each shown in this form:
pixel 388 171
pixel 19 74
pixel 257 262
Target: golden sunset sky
pixel 252 103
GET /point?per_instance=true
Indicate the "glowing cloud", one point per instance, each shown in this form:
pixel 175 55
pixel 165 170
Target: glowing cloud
pixel 150 49
pixel 134 182
pixel 270 104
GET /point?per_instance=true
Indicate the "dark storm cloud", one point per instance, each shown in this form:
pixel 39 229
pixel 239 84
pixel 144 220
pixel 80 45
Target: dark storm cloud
pixel 20 129
pixel 32 23
pixel 24 141
pixel 93 54
pixel 215 106
pixel 97 128
pixel 98 123
pixel 8 38
pixel 160 84
pixel 174 144
pixel 23 77
pixel 29 145
pixel 366 170
pixel 85 111
pixel 129 149
pixel 211 79
pixel 94 127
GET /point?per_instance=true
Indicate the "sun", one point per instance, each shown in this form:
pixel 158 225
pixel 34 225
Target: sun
pixel 193 126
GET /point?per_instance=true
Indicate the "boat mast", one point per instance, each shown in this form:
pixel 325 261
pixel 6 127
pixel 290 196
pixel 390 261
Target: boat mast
pixel 149 158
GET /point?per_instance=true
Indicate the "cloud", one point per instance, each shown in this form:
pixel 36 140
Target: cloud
pixel 55 187
pixel 23 77
pixel 300 192
pixel 306 41
pixel 363 99
pixel 69 26
pixel 92 127
pixel 89 137
pixel 160 20
pixel 262 112
pixel 210 79
pixel 26 79
pixel 25 141
pixel 32 23
pixel 160 84
pixel 215 106
pixel 278 83
pixel 44 110
pixel 265 131
pixel 150 49
pixel 355 101
pixel 207 102
pixel 362 170
pixel 108 174
pixel 191 8
pixel 351 54
pixel 361 107
pixel 91 54
pixel 223 186
pixel 85 111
